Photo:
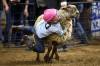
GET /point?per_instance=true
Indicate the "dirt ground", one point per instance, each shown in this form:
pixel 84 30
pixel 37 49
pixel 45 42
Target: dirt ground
pixel 88 55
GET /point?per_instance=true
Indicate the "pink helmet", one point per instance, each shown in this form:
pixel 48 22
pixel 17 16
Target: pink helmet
pixel 49 14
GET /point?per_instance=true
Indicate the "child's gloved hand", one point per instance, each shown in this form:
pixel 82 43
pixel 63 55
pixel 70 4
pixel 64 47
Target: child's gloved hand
pixel 64 32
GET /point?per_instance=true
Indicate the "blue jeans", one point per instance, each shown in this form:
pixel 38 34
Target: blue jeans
pixel 79 31
pixel 39 46
pixel 13 17
pixel 27 30
pixel 1 36
pixel 7 34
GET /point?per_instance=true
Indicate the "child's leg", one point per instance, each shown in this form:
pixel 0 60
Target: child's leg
pixel 39 46
pixel 26 29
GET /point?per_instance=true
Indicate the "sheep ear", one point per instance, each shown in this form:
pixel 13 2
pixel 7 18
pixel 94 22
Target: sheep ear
pixel 63 4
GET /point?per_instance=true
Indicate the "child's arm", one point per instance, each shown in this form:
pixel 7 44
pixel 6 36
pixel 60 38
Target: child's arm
pixel 61 31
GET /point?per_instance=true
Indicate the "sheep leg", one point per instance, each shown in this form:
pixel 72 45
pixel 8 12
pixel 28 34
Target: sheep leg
pixel 54 51
pixel 46 57
pixel 56 54
pixel 38 57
